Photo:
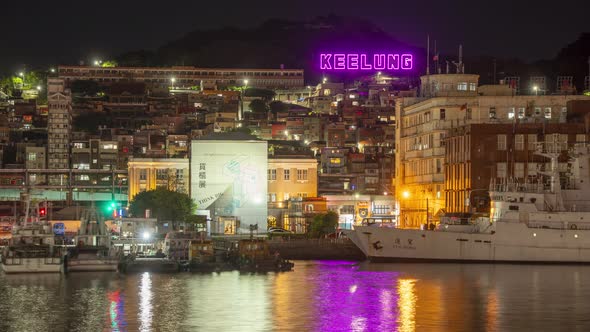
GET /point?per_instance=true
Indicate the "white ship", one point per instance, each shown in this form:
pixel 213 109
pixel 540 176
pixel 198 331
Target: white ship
pixel 32 249
pixel 543 222
pixel 93 250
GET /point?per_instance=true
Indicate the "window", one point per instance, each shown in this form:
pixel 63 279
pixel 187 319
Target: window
pixel 532 141
pixel 442 114
pixel 531 169
pixel 472 86
pixel 537 111
pixel 511 113
pixel 143 174
pixel 302 195
pixel 302 174
pixel 501 170
pixel 286 174
pixel 32 156
pixel 161 174
pixel 501 142
pixel 519 170
pixel 286 196
pixel 462 86
pixel 94 161
pixel 272 174
pixel 492 113
pixel 335 161
pixel 547 112
pixel 521 112
pixel 272 197
pixel 580 138
pixel 519 142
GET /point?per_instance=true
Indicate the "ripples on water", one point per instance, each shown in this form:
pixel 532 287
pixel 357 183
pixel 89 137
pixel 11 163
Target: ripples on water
pixel 317 296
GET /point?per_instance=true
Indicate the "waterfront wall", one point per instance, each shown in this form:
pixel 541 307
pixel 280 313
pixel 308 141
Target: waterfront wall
pixel 311 249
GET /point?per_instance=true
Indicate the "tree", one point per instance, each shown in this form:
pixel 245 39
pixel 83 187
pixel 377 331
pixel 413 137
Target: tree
pixel 164 204
pixel 323 224
pixel 278 106
pixel 258 106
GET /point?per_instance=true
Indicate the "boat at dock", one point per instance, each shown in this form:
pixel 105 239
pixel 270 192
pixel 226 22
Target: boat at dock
pixel 32 250
pixel 137 264
pixel 93 250
pixel 253 255
pixel 543 222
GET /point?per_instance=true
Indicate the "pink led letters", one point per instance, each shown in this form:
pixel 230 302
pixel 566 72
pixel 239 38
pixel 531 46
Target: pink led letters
pixel 363 61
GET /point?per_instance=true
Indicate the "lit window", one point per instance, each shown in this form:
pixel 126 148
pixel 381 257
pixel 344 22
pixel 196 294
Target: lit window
pixel 547 112
pixel 462 86
pixel 501 170
pixel 521 112
pixel 335 161
pixel 472 86
pixel 519 142
pixel 32 156
pixel 286 174
pixel 492 113
pixel 511 113
pixel 501 142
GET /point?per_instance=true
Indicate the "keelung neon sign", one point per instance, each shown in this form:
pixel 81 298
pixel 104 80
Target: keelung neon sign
pixel 366 61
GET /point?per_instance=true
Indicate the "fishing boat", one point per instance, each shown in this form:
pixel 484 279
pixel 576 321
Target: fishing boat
pixel 543 222
pixel 31 247
pixel 93 250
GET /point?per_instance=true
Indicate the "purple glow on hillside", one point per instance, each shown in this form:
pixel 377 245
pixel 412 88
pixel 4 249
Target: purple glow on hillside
pixel 364 61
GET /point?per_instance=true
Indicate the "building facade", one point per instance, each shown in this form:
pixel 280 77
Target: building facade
pixel 479 154
pixel 290 178
pixel 228 181
pixel 454 100
pixel 153 173
pixel 186 76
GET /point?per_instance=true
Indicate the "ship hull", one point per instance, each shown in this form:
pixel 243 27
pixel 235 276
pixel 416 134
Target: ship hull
pixel 32 265
pixel 511 243
pixel 92 265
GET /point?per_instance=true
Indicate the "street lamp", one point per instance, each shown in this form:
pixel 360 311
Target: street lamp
pixel 172 80
pixel 38 88
pixel 536 89
pixel 324 80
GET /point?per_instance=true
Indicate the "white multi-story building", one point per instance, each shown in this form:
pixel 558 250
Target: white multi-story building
pixel 59 123
pixel 454 100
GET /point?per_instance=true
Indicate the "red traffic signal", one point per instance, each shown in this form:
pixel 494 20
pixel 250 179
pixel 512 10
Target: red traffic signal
pixel 42 212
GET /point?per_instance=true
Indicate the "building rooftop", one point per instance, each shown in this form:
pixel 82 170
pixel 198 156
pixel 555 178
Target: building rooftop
pixel 229 136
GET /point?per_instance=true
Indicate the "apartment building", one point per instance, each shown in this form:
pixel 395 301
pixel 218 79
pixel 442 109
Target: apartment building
pixel 451 101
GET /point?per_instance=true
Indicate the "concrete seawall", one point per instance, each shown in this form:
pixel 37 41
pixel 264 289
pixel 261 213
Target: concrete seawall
pixel 304 249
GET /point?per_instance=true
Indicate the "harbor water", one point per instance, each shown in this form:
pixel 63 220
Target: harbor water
pixel 316 296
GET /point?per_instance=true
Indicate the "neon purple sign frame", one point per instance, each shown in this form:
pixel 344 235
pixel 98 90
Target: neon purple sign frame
pixel 364 61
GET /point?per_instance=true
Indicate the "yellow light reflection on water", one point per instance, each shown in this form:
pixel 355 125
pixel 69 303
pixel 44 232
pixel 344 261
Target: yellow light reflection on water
pixel 145 302
pixel 406 291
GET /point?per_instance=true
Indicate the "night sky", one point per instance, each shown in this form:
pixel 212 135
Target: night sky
pixel 50 32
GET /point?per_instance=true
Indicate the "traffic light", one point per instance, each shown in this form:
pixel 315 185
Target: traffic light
pixel 42 212
pixel 111 206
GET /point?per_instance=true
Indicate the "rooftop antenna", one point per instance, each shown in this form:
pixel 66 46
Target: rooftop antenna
pixel 459 65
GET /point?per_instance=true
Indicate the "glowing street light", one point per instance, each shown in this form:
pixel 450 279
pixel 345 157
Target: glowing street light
pixel 38 88
pixel 324 80
pixel 52 70
pixel 146 235
pixel 536 89
pixel 246 82
pixel 405 194
pixel 21 74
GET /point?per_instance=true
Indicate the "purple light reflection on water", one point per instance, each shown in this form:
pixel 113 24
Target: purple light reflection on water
pixel 350 300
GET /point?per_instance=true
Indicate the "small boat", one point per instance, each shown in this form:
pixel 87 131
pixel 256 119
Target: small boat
pixel 133 264
pixel 93 251
pixel 203 258
pixel 32 250
pixel 254 256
